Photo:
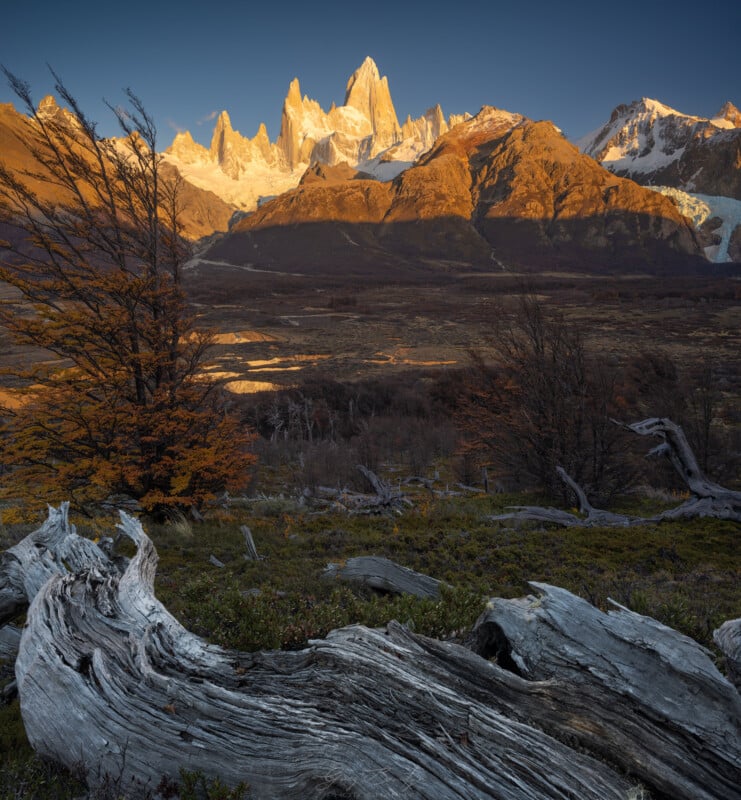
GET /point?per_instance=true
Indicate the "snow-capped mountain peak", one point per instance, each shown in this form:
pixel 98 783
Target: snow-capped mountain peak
pixel 692 159
pixel 364 132
pixel 648 136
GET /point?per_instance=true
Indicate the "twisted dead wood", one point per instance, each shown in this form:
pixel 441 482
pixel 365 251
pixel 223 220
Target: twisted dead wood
pixel 53 549
pixel 708 499
pixel 649 698
pixel 376 713
pixel 383 499
pixel 362 714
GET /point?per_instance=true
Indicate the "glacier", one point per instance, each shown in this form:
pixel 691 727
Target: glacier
pixel 701 207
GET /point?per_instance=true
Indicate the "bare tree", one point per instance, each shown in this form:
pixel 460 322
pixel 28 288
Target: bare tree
pixel 545 402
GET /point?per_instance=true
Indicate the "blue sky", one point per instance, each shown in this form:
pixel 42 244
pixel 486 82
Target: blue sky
pixel 569 62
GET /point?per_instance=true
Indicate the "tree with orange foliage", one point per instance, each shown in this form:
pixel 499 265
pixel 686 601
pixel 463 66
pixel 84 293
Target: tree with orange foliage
pixel 94 253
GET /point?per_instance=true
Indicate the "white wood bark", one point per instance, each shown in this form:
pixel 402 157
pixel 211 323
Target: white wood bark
pixel 728 639
pixel 362 714
pixel 659 707
pixel 384 575
pixel 109 680
pixel 53 549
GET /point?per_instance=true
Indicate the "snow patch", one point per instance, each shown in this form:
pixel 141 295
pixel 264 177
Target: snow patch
pixel 721 122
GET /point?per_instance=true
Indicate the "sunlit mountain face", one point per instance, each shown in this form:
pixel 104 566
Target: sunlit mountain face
pixel 351 187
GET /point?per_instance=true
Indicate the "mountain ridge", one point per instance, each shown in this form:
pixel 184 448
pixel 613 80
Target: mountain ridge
pixel 653 143
pixel 494 183
pixel 364 131
pixel 497 191
pixel 694 160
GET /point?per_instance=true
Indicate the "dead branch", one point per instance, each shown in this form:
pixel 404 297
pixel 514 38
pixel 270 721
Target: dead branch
pixel 708 499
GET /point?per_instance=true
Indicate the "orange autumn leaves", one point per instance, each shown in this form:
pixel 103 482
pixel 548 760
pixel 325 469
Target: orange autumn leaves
pixel 124 409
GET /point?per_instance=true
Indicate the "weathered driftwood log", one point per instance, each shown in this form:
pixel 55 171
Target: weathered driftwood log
pixel 708 499
pixel 371 713
pixel 728 639
pixel 362 714
pixel 384 575
pixel 646 696
pixel 53 549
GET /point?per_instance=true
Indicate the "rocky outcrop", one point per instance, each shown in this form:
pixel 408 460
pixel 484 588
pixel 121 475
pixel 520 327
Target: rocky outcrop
pixel 729 113
pixel 234 153
pixel 498 189
pixel 187 150
pixel 368 93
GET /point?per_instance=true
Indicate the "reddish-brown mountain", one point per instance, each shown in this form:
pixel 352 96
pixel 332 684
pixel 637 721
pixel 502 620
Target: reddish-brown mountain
pixel 498 190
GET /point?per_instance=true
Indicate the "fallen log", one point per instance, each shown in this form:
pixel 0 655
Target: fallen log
pixel 362 714
pixel 383 575
pixel 648 698
pixel 375 713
